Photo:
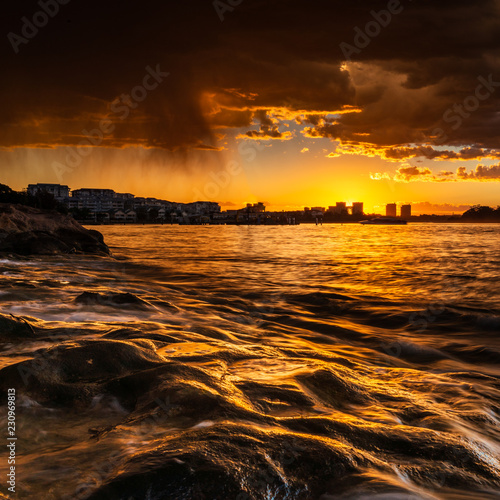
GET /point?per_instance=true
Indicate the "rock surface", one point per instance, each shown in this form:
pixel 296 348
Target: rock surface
pixel 111 299
pixel 12 327
pixel 31 231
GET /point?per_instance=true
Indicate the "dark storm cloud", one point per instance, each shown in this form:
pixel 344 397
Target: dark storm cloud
pixel 265 55
pixel 268 128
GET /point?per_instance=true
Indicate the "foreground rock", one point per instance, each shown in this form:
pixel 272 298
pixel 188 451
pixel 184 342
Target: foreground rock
pixel 13 327
pixel 31 231
pixel 111 299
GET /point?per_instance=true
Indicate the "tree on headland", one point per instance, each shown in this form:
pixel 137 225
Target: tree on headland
pixel 42 199
pixel 142 214
pixel 482 213
pixel 153 214
pixel 46 200
pixel 81 213
pixel 8 195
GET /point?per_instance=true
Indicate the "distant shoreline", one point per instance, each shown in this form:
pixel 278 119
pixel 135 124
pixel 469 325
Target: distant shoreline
pixel 93 223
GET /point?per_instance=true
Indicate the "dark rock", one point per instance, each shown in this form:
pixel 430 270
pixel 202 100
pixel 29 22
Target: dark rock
pixel 14 327
pixel 33 242
pixel 30 231
pixel 111 299
pixel 69 375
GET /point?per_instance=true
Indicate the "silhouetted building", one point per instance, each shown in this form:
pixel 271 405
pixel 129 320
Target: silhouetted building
pixel 391 210
pixel 106 204
pixel 405 211
pixel 357 209
pixel 59 191
pixel 256 208
pixel 203 207
pixel 95 200
pixel 88 193
pixel 124 196
pixel 340 208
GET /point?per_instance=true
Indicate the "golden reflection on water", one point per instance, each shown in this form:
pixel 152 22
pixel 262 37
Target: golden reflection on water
pixel 251 339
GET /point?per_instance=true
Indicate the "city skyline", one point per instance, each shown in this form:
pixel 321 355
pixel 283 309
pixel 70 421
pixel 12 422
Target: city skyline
pixel 417 208
pixel 422 205
pixel 107 205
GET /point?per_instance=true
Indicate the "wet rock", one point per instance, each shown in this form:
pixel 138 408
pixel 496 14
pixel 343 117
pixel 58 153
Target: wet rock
pixel 30 231
pixel 14 327
pixel 111 299
pixel 69 375
pixel 228 462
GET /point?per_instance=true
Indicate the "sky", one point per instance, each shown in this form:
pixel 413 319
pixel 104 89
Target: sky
pixel 291 103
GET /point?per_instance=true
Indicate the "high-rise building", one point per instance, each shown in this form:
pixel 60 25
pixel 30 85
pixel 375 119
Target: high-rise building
pixel 391 210
pixel 340 208
pixel 357 209
pixel 405 211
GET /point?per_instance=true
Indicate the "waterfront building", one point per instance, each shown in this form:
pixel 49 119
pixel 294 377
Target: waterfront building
pixel 391 210
pixel 406 211
pixel 59 191
pixel 357 208
pixel 340 208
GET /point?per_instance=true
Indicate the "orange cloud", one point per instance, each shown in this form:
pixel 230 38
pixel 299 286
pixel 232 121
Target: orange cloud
pixel 482 173
pixel 408 173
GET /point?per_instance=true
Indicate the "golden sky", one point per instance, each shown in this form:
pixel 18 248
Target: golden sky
pixel 265 101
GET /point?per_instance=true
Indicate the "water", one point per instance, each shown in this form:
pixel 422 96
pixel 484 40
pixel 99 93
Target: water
pixel 330 362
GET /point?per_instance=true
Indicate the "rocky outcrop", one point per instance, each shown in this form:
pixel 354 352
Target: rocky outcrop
pixel 31 231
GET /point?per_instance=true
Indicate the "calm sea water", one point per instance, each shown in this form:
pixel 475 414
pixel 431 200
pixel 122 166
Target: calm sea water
pixel 302 362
